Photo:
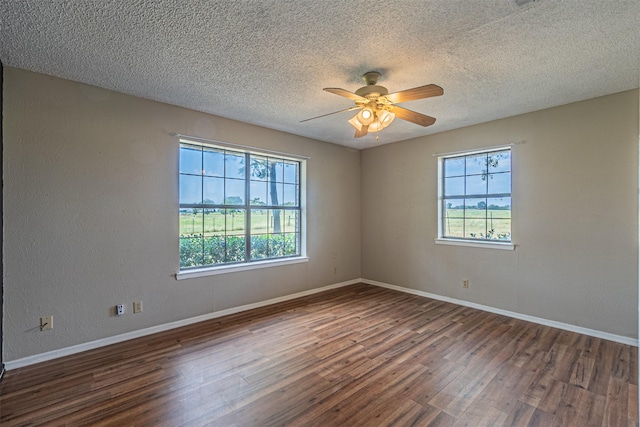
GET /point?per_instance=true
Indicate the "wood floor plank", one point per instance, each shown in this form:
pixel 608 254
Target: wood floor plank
pixel 360 355
pixel 607 363
pixel 409 413
pixel 541 418
pixel 461 392
pixel 581 372
pixel 520 415
pixel 505 389
pixel 479 416
pixel 615 410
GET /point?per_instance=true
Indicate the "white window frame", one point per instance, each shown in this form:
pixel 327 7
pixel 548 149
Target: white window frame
pixel 262 263
pixel 477 243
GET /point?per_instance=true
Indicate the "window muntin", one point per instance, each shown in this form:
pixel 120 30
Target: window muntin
pixel 476 196
pixel 230 214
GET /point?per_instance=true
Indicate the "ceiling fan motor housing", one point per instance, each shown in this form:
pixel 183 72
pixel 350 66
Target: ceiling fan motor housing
pixel 372 91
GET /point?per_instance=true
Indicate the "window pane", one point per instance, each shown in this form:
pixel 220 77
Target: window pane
pixel 475 228
pixel 476 164
pixel 213 162
pixel 475 208
pixel 291 244
pixel 190 252
pixel 500 229
pixel 235 219
pixel 235 246
pixel 213 190
pixel 454 227
pixel 258 193
pixel 291 172
pixel 276 245
pixel 190 159
pixel 476 184
pixel 190 189
pixel 499 161
pixel 454 186
pixel 454 208
pixel 234 191
pixel 234 165
pixel 499 183
pixel 290 195
pixel 259 246
pixel 480 207
pixel 276 170
pixel 213 222
pixel 259 171
pixel 499 207
pixel 190 222
pixel 454 166
pixel 275 193
pixel 475 225
pixel 276 221
pixel 214 250
pixel 259 221
pixel 499 218
pixel 291 221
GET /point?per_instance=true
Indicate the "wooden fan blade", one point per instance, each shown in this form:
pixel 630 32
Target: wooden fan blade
pixel 416 93
pixel 335 112
pixel 412 116
pixel 343 92
pixel 362 132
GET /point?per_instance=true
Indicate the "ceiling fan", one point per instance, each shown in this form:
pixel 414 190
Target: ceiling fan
pixel 377 106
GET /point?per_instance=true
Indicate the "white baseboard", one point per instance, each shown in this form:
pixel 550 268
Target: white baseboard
pixel 552 323
pixel 54 354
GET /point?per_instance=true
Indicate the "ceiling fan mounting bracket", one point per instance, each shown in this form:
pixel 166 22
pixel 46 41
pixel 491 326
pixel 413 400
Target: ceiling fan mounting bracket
pixel 371 77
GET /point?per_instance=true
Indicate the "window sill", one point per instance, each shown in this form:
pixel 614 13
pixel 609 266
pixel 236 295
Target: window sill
pixel 212 271
pixel 476 244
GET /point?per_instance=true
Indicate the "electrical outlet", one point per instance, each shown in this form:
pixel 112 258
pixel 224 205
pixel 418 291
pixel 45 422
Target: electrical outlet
pixel 137 306
pixel 465 283
pixel 335 270
pixel 119 310
pixel 46 323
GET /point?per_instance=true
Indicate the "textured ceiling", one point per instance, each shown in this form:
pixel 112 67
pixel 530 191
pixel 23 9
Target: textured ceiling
pixel 265 62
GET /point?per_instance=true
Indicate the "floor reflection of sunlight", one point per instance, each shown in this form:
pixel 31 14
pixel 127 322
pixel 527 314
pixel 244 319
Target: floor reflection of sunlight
pixel 210 384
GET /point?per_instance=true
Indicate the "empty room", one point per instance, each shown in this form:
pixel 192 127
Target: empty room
pixel 320 213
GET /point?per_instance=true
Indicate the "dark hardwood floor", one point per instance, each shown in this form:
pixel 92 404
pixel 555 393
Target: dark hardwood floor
pixel 354 356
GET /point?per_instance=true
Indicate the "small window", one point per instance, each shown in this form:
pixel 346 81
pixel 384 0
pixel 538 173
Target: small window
pixel 237 206
pixel 475 196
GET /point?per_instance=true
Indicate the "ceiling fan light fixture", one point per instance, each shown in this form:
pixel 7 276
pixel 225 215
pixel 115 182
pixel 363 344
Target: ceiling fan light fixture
pixel 356 123
pixel 384 119
pixel 366 116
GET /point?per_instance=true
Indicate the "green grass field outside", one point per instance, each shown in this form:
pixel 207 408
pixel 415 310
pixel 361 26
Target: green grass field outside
pixel 211 223
pixel 473 224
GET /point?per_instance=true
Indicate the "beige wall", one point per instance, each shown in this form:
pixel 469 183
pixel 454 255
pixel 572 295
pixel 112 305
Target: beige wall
pixel 90 210
pixel 91 218
pixel 575 216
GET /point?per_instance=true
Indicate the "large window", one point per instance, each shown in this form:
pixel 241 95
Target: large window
pixel 237 206
pixel 475 196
